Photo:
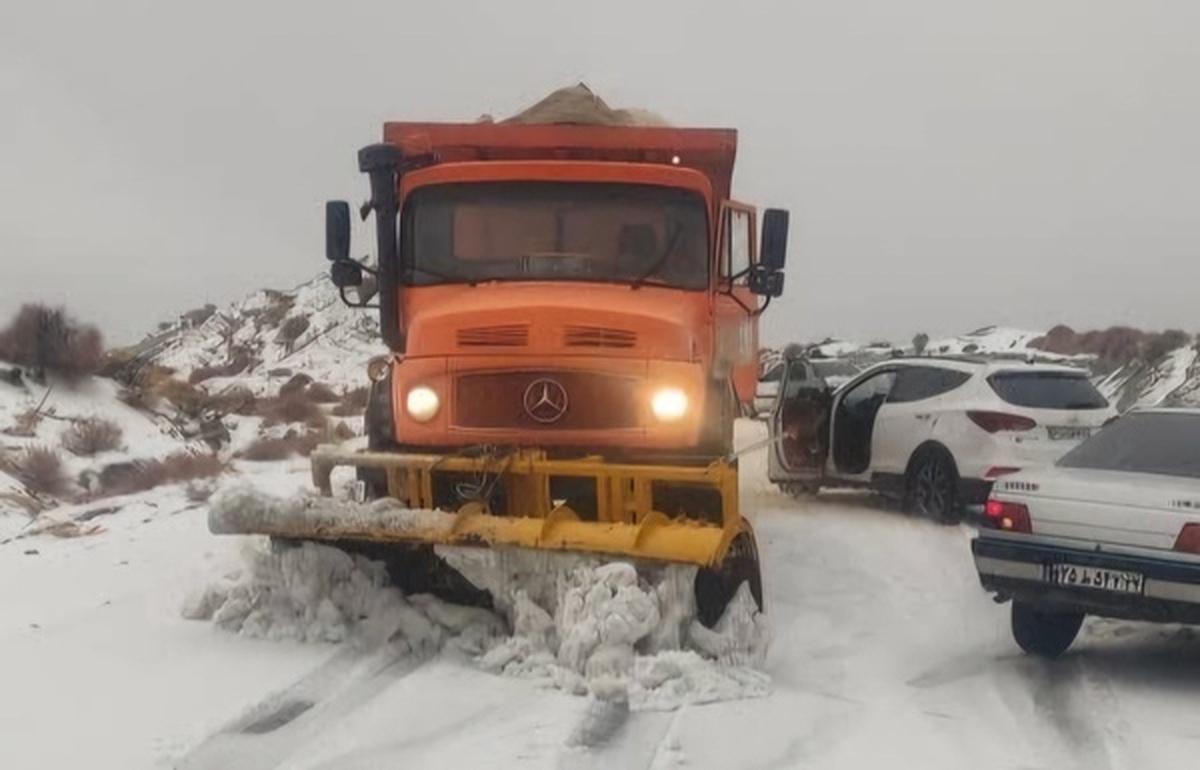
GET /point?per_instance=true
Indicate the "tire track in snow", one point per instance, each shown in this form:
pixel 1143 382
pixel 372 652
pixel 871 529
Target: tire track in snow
pixel 1077 719
pixel 270 732
pixel 610 736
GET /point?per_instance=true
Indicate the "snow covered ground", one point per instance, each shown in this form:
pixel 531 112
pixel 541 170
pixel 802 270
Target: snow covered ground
pixel 884 652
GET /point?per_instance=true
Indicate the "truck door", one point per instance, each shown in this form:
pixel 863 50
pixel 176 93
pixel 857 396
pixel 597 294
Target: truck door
pixel 736 325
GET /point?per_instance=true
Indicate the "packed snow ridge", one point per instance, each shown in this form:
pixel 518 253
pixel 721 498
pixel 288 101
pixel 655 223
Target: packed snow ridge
pixel 580 624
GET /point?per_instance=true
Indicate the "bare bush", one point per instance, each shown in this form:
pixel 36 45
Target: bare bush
pixel 172 469
pixel 237 363
pixel 292 329
pixel 320 393
pixel 25 424
pixel 40 469
pixel 353 403
pixel 275 449
pixel 237 399
pixel 47 340
pixel 92 436
pixel 295 384
pixel 291 408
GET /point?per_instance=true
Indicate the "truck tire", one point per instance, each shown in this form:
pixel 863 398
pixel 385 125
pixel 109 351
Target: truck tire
pixel 1044 633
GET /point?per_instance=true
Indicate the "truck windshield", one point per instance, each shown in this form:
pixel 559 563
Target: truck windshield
pixel 614 232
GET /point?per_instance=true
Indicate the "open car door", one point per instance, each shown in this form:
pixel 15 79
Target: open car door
pixel 799 427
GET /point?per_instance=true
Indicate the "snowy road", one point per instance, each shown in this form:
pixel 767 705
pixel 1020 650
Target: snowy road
pixel 885 652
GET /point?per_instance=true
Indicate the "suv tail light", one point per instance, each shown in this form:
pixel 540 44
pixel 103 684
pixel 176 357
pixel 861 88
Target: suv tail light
pixel 1189 539
pixel 994 422
pixel 1008 517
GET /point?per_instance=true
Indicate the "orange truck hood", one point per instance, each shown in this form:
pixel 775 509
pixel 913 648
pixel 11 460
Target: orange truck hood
pixel 526 319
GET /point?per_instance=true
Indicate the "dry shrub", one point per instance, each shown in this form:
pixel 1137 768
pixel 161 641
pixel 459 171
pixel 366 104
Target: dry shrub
pixel 172 469
pixel 237 399
pixel 274 449
pixel 25 424
pixel 187 398
pixel 92 436
pixel 236 364
pixel 320 393
pixel 353 403
pixel 294 443
pixel 46 339
pixel 292 328
pixel 40 469
pixel 296 384
pixel 291 408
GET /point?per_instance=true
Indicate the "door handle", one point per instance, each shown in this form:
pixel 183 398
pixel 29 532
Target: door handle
pixel 923 416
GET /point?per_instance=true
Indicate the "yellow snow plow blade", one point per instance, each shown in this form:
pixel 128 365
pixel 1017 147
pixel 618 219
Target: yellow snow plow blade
pixel 625 522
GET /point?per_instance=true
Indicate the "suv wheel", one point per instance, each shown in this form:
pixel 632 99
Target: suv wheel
pixel 933 486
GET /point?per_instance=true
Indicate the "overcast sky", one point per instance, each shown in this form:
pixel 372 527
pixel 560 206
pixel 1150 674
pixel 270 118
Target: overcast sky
pixel 948 163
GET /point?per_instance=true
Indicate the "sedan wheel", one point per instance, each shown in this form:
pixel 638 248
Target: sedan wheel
pixel 933 487
pixel 1042 633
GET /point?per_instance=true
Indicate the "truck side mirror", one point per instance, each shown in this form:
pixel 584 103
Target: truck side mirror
pixel 337 231
pixel 764 284
pixel 346 274
pixel 773 252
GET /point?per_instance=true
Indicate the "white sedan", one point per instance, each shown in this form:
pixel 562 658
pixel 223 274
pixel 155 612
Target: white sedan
pixel 1112 530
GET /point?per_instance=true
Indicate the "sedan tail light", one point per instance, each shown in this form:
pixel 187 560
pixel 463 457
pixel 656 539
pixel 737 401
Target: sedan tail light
pixel 1008 517
pixel 994 422
pixel 1189 539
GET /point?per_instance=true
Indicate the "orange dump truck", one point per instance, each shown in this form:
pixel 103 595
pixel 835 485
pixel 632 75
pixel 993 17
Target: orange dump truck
pixel 571 301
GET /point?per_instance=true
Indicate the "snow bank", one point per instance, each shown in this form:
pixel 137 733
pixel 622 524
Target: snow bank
pixel 577 623
pixel 591 627
pixel 317 593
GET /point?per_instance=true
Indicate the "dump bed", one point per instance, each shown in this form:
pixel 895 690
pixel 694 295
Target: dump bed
pixel 710 151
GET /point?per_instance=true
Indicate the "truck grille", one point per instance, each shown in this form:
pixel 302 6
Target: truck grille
pixel 510 336
pixel 547 400
pixel 598 337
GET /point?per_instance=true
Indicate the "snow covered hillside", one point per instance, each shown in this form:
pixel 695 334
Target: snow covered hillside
pixel 220 393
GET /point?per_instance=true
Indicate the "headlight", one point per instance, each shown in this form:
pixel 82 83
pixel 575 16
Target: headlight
pixel 422 403
pixel 669 404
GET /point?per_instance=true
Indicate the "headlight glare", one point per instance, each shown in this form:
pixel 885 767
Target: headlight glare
pixel 669 404
pixel 422 403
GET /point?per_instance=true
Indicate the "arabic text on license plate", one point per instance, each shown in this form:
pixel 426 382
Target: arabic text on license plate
pixel 1094 577
pixel 1068 433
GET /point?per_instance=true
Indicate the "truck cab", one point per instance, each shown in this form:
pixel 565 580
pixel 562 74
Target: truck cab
pixel 582 289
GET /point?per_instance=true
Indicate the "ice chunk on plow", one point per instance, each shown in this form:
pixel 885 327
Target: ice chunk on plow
pixel 246 511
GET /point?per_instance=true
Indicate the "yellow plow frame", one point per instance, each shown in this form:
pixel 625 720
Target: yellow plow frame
pixel 626 523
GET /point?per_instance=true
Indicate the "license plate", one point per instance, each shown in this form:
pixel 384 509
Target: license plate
pixel 1068 433
pixel 1079 576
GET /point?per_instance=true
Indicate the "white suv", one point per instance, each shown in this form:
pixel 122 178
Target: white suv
pixel 935 432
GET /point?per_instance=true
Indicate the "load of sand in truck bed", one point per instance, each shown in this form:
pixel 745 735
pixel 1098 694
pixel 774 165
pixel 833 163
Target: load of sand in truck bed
pixel 578 105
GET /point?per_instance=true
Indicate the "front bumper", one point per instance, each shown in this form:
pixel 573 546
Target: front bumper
pixel 1018 567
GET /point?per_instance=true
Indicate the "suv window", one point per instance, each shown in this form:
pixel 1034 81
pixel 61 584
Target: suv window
pixel 1047 390
pixel 916 383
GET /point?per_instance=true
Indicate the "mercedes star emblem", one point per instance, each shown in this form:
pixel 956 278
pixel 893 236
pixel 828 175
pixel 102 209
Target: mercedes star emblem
pixel 545 400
